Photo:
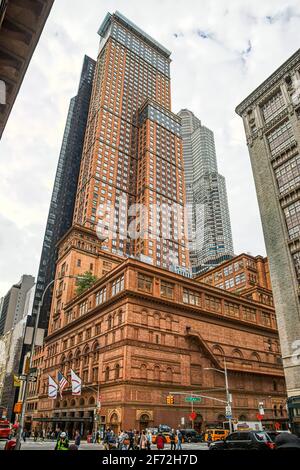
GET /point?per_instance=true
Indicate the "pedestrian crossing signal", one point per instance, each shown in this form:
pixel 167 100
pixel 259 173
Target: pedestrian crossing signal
pixel 170 400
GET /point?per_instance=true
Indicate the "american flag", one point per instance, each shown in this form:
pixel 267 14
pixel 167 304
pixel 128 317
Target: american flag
pixel 62 382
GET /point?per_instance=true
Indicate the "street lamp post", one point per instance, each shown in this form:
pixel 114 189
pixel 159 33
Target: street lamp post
pixel 228 394
pixel 32 347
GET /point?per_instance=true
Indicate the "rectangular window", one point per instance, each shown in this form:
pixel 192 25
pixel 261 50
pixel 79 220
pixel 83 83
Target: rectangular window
pixel 288 174
pixel 166 290
pixel 190 297
pixel 213 304
pixel 265 319
pixel 292 217
pixel 273 106
pixel 231 309
pixel 281 138
pixel 101 296
pixel 145 283
pixel 117 285
pixel 249 314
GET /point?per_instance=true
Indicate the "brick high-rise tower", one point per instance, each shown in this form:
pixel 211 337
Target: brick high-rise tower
pixel 133 150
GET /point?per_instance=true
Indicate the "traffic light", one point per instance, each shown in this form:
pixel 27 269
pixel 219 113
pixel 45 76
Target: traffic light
pixel 170 400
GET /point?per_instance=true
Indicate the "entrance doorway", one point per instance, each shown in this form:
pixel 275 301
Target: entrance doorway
pixel 144 422
pixel 114 423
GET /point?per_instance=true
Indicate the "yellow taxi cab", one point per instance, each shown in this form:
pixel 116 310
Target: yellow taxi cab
pixel 216 434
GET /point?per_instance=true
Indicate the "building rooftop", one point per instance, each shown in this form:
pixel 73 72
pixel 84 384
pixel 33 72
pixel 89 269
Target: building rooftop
pixel 268 83
pixel 135 29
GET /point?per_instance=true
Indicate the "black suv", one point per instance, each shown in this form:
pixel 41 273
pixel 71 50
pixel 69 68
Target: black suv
pixel 244 440
pixel 190 435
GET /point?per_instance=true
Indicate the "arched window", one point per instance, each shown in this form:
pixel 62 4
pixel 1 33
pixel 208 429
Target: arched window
pixel 275 386
pixel 157 373
pixel 117 371
pixel 168 323
pixel 96 352
pixel 91 401
pixel 81 402
pixel 107 373
pixel 237 353
pixel 120 318
pixel 77 359
pixel 72 402
pixel 217 350
pixel 255 357
pixel 109 322
pixel 169 375
pixel 275 410
pixel 86 356
pixel 144 371
pixel 156 319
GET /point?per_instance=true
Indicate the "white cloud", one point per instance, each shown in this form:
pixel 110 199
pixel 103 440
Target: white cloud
pixel 210 75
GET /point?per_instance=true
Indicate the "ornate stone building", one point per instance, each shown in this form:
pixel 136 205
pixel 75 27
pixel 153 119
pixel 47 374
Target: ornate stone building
pixel 141 332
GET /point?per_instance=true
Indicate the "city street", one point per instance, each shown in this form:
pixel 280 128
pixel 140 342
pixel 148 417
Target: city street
pixel 49 445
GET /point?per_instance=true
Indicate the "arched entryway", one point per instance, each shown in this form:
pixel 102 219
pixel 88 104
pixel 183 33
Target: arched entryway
pixel 114 423
pixel 144 422
pixel 198 423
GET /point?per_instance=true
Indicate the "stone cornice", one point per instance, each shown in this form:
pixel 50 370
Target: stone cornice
pixel 269 82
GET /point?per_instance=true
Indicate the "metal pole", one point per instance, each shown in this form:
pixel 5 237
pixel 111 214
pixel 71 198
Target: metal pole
pixel 25 392
pixel 227 393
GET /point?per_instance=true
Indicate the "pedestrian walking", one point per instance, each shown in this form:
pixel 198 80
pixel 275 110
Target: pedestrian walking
pixel 77 438
pixel 136 441
pixel 173 440
pixel 36 435
pixel 62 442
pixel 143 440
pixel 179 439
pixel 24 433
pixel 149 439
pixel 131 440
pixel 160 441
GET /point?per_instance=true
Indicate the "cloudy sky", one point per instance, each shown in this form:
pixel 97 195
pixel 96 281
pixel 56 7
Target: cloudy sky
pixel 221 50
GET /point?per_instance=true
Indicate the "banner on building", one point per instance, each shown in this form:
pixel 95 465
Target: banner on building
pixel 52 388
pixel 76 383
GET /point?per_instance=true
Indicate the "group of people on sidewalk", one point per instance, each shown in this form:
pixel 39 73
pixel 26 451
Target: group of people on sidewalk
pixel 140 440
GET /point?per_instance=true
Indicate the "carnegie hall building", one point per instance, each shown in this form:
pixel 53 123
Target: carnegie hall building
pixel 142 332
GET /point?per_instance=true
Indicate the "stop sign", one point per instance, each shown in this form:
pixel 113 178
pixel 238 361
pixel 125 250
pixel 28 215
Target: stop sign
pixel 259 416
pixel 193 416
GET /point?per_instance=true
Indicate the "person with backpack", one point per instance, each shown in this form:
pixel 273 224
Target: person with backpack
pixel 62 442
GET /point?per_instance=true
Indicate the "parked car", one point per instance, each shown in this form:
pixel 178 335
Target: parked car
pixel 244 440
pixel 273 434
pixel 190 435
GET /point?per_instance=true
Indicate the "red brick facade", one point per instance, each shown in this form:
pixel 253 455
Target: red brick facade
pixel 141 332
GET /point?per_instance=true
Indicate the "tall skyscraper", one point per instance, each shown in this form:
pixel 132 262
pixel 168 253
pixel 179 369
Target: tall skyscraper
pixel 14 303
pixel 65 185
pixel 209 220
pixel 133 151
pixel 271 116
